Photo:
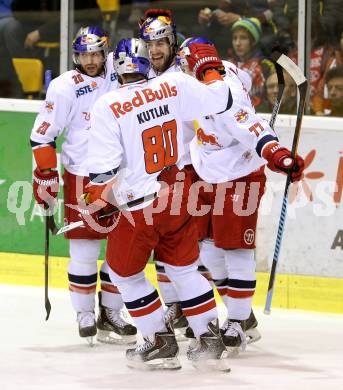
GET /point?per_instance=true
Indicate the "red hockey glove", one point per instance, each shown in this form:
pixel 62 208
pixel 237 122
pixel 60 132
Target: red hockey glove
pixel 90 215
pixel 95 203
pixel 201 57
pixel 280 160
pixel 45 187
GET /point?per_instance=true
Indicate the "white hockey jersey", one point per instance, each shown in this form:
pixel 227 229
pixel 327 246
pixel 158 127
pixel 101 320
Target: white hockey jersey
pixel 227 146
pixel 138 128
pixel 68 103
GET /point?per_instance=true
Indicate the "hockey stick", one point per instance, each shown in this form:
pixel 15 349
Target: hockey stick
pixel 108 213
pixel 46 269
pixel 281 87
pixel 302 84
pixel 46 246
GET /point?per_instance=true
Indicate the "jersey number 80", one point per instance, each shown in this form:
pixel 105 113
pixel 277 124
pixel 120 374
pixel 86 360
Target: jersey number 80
pixel 160 146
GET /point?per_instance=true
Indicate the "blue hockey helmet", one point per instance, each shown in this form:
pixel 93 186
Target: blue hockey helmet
pixel 183 50
pixel 90 39
pixel 131 56
pixel 158 27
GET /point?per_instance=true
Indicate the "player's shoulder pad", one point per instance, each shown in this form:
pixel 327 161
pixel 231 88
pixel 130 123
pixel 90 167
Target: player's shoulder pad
pixel 62 85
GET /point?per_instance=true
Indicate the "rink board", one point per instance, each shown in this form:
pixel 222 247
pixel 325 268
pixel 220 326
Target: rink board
pixel 291 291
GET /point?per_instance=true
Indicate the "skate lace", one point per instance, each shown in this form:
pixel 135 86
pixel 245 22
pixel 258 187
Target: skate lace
pixel 115 317
pixel 144 346
pixel 86 319
pixel 234 329
pixel 170 313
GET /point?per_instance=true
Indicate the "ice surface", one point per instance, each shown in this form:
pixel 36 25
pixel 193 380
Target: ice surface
pixel 298 350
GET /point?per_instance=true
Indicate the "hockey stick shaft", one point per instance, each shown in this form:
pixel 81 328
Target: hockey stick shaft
pixel 46 269
pixel 47 229
pixel 302 84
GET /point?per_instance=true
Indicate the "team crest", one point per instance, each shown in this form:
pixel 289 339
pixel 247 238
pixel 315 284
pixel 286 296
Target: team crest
pixel 94 85
pixel 49 106
pixel 130 196
pixel 241 116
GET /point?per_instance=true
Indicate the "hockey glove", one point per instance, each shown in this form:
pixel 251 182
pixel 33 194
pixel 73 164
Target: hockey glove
pixel 45 187
pixel 95 203
pixel 280 160
pixel 202 57
pixel 90 215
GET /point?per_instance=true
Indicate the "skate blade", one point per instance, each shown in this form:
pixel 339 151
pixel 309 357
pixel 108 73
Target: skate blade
pixel 156 364
pixel 222 364
pixel 252 335
pixel 233 351
pixel 108 337
pixel 90 341
pixel 180 334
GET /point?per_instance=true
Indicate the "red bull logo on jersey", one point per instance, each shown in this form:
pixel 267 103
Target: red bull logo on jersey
pixel 140 98
pixel 207 139
pixel 241 116
pixel 49 106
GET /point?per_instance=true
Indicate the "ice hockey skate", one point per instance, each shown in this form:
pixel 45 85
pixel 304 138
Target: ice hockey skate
pixel 251 332
pixel 208 352
pixel 158 352
pixel 112 328
pixel 179 322
pixel 233 336
pixel 87 325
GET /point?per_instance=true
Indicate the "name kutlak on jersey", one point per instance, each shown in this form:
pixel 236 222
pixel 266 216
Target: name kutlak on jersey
pixel 147 95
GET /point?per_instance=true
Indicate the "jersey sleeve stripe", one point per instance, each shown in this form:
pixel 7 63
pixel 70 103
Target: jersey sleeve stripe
pixel 263 141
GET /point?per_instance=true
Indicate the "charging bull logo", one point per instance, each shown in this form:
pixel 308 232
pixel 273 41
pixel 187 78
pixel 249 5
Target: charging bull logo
pixel 241 116
pixel 207 139
pixel 86 40
pixel 132 67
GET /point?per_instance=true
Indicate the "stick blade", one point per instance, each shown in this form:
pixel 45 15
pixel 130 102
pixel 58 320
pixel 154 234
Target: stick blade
pixel 47 308
pixel 293 69
pixel 69 227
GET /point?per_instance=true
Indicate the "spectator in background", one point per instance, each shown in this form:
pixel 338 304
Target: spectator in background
pixel 320 102
pixel 289 97
pixel 334 81
pixel 247 55
pixel 321 50
pixel 11 37
pixel 331 16
pixel 43 33
pixel 227 12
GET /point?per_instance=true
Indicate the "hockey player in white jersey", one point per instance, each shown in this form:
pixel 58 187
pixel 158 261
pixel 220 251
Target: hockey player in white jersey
pixel 137 130
pixel 158 30
pixel 229 153
pixel 68 103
